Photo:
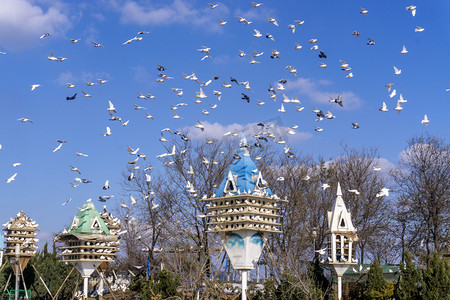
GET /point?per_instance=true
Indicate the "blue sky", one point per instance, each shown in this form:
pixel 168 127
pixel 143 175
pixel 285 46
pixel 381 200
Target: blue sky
pixel 176 30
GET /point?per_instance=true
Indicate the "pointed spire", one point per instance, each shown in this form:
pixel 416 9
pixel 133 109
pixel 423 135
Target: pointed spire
pixel 243 142
pixel 339 192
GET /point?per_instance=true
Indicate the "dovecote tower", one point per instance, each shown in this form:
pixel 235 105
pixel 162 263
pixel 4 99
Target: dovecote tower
pixel 88 242
pixel 243 211
pixel 341 238
pixel 20 233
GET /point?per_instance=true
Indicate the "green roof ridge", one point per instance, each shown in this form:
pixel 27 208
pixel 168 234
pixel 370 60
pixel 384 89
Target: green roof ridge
pixel 88 220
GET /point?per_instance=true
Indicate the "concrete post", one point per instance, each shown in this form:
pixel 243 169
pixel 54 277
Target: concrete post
pixel 339 287
pixel 17 250
pixel 244 284
pixel 85 287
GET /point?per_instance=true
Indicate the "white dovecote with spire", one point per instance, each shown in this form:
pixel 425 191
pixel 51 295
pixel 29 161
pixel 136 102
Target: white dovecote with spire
pixel 341 238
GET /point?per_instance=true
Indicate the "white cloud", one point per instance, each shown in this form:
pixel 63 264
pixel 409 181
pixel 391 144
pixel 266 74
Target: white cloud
pixel 314 90
pixel 177 12
pixel 142 76
pixel 82 78
pixel 22 23
pixel 217 131
pixel 65 77
pixel 255 14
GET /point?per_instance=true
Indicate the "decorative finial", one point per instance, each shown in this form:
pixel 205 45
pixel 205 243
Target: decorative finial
pixel 243 142
pixel 339 192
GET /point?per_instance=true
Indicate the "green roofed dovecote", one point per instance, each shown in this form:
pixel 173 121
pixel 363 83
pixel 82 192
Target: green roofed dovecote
pixel 88 220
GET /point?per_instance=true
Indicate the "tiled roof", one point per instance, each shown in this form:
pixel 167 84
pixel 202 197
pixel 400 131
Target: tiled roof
pixel 243 176
pixel 88 220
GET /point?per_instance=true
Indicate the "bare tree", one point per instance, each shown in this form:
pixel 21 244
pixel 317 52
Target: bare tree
pixel 370 213
pixel 423 183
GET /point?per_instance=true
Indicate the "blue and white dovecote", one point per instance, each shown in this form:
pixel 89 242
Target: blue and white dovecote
pixel 243 199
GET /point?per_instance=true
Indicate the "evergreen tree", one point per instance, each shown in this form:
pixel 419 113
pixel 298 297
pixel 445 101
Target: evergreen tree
pixel 409 280
pixel 315 272
pixel 436 279
pixel 376 287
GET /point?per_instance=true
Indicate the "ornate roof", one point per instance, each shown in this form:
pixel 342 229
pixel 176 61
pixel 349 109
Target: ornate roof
pixel 339 218
pixel 88 220
pixel 243 176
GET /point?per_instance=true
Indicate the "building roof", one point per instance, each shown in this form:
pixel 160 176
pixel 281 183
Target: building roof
pixel 243 176
pixel 88 220
pixel 358 273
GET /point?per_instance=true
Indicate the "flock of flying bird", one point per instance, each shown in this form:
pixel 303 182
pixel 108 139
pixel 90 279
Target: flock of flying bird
pixel 264 135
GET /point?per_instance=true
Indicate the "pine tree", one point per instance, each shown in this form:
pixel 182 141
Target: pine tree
pixel 436 279
pixel 376 287
pixel 410 279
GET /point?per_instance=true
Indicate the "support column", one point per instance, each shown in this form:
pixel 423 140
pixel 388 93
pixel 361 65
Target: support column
pixel 339 287
pixel 85 287
pixel 17 254
pixel 16 294
pixel 244 284
pixel 100 288
pixel 333 247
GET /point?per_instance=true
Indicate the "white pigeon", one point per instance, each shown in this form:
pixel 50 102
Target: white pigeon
pixel 57 148
pixel 399 107
pixel 221 22
pixel 325 186
pixel 397 71
pixel 273 21
pixel 65 203
pixel 404 50
pixel 201 94
pixel 52 57
pixel 292 27
pixel 282 110
pixel 383 192
pixel 376 168
pixel 111 107
pixel 16 164
pixel 108 131
pixel 133 201
pixel 86 94
pixel 419 29
pixel 12 178
pixel 393 93
pixel 34 86
pixel 401 99
pixel 257 33
pixel 25 120
pixel 383 108
pixel 425 120
pixel 355 191
pixel 412 8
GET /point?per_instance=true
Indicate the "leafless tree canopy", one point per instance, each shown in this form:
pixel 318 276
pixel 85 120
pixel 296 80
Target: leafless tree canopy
pixel 423 181
pixel 169 220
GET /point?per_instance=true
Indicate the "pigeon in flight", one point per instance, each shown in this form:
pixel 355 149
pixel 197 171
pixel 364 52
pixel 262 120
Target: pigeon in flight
pixel 72 98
